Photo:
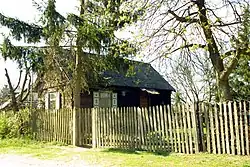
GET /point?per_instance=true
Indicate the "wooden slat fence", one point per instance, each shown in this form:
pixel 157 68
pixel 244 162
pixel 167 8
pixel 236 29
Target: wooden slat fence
pixel 158 128
pixel 225 126
pixel 54 125
pixel 219 128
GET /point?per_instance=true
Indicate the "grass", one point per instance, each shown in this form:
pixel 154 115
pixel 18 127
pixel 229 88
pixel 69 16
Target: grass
pixel 118 157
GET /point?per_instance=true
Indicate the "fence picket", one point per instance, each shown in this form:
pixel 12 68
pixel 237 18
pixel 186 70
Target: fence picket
pixel 144 128
pixel 241 131
pixel 207 128
pixel 236 123
pixel 162 128
pixel 150 114
pixel 103 127
pixel 147 134
pixel 122 128
pixel 218 143
pixel 136 141
pixel 141 138
pixel 222 125
pixel 86 125
pixel 200 126
pixel 131 128
pixel 246 127
pixel 189 130
pixel 127 129
pixel 194 124
pixel 211 118
pixel 226 128
pixel 155 130
pixel 118 112
pixel 168 112
pixel 159 131
pixel 185 129
pixel 94 128
pixel 177 129
pixel 231 128
pixel 181 128
pixel 166 129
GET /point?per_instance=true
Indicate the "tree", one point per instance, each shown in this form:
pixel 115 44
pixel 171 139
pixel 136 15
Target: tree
pixel 240 79
pixel 191 78
pixel 92 30
pixel 174 27
pixel 4 94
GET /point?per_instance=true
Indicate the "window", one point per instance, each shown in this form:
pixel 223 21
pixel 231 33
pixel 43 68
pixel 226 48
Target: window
pixel 52 100
pixel 105 99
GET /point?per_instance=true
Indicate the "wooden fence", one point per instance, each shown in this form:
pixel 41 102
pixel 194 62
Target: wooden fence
pixel 54 125
pixel 184 128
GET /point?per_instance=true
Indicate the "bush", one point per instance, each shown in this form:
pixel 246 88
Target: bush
pixel 15 125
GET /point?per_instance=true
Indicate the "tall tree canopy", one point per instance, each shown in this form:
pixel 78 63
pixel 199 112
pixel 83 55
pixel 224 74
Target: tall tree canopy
pixel 192 28
pixel 92 31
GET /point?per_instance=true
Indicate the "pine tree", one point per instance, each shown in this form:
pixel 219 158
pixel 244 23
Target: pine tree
pixel 91 31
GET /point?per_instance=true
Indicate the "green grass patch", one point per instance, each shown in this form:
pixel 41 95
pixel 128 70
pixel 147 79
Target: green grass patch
pixel 26 146
pixel 118 157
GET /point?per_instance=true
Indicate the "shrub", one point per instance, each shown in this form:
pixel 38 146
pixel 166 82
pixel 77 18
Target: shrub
pixel 15 125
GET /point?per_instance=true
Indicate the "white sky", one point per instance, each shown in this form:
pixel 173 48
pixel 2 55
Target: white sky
pixel 24 10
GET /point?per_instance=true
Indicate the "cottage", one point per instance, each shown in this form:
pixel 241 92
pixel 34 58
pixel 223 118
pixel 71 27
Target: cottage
pixel 142 87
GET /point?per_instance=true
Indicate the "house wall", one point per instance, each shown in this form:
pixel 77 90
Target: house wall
pixel 86 100
pixel 144 99
pixel 163 98
pixel 134 97
pixel 131 98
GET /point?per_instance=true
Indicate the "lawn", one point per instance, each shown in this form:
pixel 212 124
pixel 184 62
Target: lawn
pixel 116 157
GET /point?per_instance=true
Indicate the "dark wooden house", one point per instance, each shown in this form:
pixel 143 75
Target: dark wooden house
pixel 141 87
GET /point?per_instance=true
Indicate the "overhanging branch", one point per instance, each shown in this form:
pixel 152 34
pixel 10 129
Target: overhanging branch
pixel 182 47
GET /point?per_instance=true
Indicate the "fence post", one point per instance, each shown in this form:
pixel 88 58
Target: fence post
pixel 93 113
pixel 75 127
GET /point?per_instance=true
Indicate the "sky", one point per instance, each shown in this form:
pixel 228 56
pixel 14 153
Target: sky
pixel 24 10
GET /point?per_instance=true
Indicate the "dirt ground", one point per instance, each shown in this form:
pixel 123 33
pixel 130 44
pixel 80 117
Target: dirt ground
pixel 8 160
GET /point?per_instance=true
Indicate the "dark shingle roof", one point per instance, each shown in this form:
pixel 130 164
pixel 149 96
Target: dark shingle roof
pixel 128 73
pixel 137 74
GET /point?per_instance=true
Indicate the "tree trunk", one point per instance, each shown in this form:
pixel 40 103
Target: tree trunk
pixel 78 66
pixel 77 83
pixel 224 93
pixel 224 90
pixel 12 92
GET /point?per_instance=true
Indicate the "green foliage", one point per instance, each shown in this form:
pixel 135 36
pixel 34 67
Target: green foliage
pixel 15 125
pixel 240 79
pixel 25 57
pixel 90 31
pixel 4 94
pixel 31 33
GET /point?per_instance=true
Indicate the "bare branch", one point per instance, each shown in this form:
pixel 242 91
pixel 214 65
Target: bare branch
pixel 233 63
pixel 184 19
pixel 180 48
pixel 12 92
pixel 24 83
pixel 19 80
